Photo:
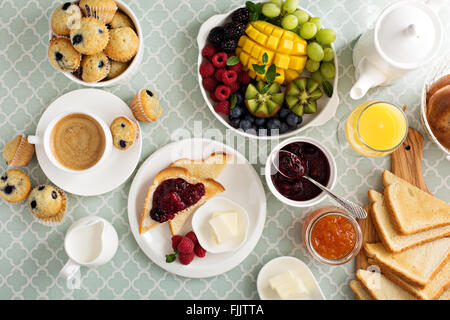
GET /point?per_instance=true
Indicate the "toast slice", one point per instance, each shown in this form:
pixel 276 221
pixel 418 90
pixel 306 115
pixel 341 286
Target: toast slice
pixel 381 288
pixel 209 168
pixel 389 236
pixel 359 290
pixel 416 266
pixel 413 210
pixel 432 291
pixel 445 295
pixel 212 188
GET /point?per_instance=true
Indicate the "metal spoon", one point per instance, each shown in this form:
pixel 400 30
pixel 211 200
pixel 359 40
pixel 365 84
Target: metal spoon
pixel 353 208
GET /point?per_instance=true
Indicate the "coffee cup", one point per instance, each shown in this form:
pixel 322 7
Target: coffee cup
pixel 75 141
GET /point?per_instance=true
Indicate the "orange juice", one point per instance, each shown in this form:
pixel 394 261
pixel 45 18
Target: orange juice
pixel 376 128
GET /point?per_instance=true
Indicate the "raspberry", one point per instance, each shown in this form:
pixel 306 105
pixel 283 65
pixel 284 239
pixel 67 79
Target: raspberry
pixel 199 251
pixel 234 87
pixel 222 92
pixel 185 245
pixel 229 77
pixel 244 78
pixel 213 97
pixel 236 68
pixel 186 258
pixel 219 60
pixel 223 107
pixel 219 74
pixel 191 235
pixel 209 84
pixel 209 51
pixel 206 69
pixel 175 241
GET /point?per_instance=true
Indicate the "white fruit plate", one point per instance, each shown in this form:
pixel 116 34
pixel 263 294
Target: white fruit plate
pixel 326 107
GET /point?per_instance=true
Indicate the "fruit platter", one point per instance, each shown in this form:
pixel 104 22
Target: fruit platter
pixel 268 70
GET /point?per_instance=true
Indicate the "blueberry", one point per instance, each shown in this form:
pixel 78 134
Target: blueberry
pixel 292 120
pixel 284 112
pixel 245 124
pixel 273 124
pixel 78 38
pixel 54 194
pixel 243 90
pixel 4 177
pixel 122 125
pixel 122 144
pixel 284 128
pixel 236 112
pixel 66 5
pixel 157 214
pixel 100 30
pixel 300 120
pixel 9 189
pixel 235 122
pixel 250 118
pixel 33 204
pixel 260 122
pixel 239 98
pixel 149 93
pixel 101 64
pixel 40 188
pixel 58 56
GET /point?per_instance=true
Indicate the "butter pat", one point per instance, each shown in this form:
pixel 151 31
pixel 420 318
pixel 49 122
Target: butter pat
pixel 288 286
pixel 224 225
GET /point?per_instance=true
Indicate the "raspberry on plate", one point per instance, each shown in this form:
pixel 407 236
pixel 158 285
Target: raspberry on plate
pixel 219 73
pixel 223 107
pixel 185 245
pixel 234 87
pixel 209 84
pixel 191 235
pixel 229 77
pixel 219 60
pixel 206 69
pixel 244 77
pixel 236 68
pixel 199 251
pixel 186 258
pixel 175 241
pixel 222 92
pixel 209 51
pixel 213 96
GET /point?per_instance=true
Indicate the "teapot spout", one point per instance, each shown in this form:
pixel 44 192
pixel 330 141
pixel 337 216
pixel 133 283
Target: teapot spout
pixel 370 77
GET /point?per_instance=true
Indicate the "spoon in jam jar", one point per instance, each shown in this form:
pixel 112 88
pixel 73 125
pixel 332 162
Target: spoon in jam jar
pixel 292 167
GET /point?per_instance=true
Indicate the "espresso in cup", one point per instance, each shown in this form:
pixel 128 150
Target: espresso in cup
pixel 77 141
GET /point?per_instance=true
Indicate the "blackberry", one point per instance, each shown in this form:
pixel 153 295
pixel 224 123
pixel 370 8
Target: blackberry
pixel 241 15
pixel 229 45
pixel 233 30
pixel 216 36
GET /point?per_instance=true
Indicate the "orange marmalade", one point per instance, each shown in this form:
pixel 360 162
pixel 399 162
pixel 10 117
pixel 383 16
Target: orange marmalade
pixel 333 237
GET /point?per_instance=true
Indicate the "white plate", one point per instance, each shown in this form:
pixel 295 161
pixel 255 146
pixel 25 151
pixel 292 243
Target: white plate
pixel 242 185
pixel 120 164
pixel 326 107
pixel 281 265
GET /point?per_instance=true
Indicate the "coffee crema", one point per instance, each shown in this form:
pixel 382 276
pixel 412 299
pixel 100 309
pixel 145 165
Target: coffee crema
pixel 77 141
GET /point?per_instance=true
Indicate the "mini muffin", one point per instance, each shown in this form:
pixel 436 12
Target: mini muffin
pixel 64 18
pixel 101 9
pixel 95 67
pixel 18 152
pixel 121 20
pixel 146 106
pixel 123 44
pixel 63 56
pixel 117 68
pixel 14 186
pixel 91 38
pixel 47 203
pixel 124 132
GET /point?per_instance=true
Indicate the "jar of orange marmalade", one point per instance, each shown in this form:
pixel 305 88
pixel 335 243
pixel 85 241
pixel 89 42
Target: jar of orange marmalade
pixel 331 235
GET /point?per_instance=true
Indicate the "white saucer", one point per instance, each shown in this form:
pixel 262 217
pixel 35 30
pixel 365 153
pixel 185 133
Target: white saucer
pixel 116 169
pixel 242 185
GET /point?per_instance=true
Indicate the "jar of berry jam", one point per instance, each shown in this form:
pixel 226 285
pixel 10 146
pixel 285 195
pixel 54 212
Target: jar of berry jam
pixel 331 235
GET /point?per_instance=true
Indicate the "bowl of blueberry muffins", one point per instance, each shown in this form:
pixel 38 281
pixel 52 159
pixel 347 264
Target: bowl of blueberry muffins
pixel 95 43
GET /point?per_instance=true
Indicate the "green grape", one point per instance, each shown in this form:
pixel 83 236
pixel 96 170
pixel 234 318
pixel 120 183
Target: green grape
pixel 326 36
pixel 278 3
pixel 290 5
pixel 301 15
pixel 289 22
pixel 317 22
pixel 317 76
pixel 328 54
pixel 270 10
pixel 312 66
pixel 315 51
pixel 308 30
pixel 327 70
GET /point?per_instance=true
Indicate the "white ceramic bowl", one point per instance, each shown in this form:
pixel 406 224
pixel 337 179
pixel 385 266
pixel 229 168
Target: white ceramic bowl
pixel 321 196
pixel 441 69
pixel 326 107
pixel 132 68
pixel 202 229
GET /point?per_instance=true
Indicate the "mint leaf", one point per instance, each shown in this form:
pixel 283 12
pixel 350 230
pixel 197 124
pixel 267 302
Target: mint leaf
pixel 265 58
pixel 170 257
pixel 259 69
pixel 271 73
pixel 233 60
pixel 250 6
pixel 327 88
pixel 233 101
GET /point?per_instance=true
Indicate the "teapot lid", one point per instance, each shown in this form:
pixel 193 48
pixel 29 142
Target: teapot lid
pixel 408 34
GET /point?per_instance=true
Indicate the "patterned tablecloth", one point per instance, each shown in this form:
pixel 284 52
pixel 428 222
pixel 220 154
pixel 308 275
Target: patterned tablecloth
pixel 31 255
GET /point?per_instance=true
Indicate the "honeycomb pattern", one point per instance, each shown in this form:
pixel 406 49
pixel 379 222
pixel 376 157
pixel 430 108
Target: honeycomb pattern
pixel 31 255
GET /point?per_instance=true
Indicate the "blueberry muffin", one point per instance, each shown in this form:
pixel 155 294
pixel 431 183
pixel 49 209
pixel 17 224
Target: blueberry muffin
pixel 18 152
pixel 121 20
pixel 124 132
pixel 117 68
pixel 63 56
pixel 123 44
pixel 101 9
pixel 146 106
pixel 47 203
pixel 14 186
pixel 95 67
pixel 91 37
pixel 64 18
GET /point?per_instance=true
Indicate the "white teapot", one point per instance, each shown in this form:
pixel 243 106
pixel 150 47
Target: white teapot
pixel 407 35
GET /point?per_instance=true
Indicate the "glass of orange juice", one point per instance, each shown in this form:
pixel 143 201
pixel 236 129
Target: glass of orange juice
pixel 374 129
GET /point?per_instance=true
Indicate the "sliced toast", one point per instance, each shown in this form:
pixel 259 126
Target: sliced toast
pixel 416 266
pixel 445 295
pixel 413 210
pixel 359 290
pixel 212 188
pixel 393 240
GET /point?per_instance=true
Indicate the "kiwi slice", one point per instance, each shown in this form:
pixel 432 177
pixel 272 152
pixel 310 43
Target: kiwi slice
pixel 263 101
pixel 301 96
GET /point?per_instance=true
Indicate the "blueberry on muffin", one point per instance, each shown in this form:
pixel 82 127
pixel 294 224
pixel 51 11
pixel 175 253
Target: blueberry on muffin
pixel 123 44
pixel 18 152
pixel 14 186
pixel 95 67
pixel 101 9
pixel 64 18
pixel 91 37
pixel 63 56
pixel 47 203
pixel 146 106
pixel 124 132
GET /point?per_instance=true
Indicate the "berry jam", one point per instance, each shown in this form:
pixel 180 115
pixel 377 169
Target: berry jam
pixel 173 196
pixel 314 164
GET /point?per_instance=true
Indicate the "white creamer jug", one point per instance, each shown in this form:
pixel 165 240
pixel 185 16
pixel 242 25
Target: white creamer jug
pixel 406 36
